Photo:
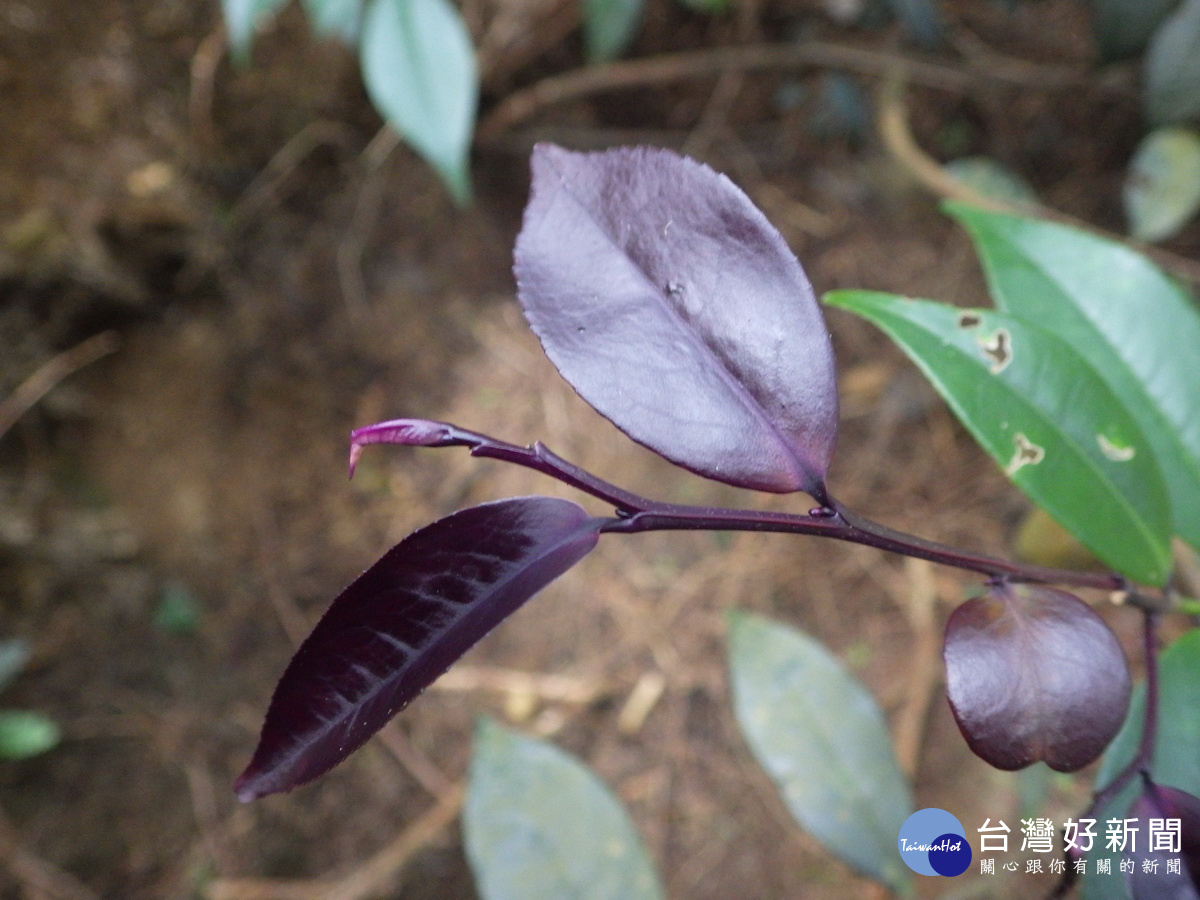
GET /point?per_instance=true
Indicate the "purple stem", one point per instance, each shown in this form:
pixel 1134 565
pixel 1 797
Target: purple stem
pixel 638 514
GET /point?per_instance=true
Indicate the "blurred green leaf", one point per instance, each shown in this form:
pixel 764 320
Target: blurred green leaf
pixel 242 17
pixel 1124 27
pixel 707 6
pixel 1162 189
pixel 987 177
pixel 920 18
pixel 419 68
pixel 539 825
pixel 1176 762
pixel 25 734
pixel 14 653
pixel 822 739
pixel 1033 786
pixel 178 612
pixel 609 27
pixel 842 109
pixel 1040 411
pixel 1135 326
pixel 335 18
pixel 1172 80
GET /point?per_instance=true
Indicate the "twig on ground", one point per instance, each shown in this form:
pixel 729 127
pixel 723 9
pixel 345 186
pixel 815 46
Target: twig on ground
pixel 49 374
pixel 513 41
pixel 37 877
pixel 523 105
pixel 378 875
pixel 547 687
pixel 268 182
pixel 925 667
pixel 716 114
pixel 205 61
pixel 366 212
pixel 900 143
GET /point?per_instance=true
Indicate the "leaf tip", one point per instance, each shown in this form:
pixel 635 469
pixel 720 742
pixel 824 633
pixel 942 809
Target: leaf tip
pixel 248 787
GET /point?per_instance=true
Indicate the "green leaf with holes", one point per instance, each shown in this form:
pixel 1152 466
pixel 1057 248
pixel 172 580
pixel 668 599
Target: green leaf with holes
pixel 1041 411
pixel 539 825
pixel 822 739
pixel 419 69
pixel 1132 323
pixel 242 17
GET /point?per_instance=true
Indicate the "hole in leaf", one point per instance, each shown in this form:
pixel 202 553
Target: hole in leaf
pixel 998 349
pixel 1027 453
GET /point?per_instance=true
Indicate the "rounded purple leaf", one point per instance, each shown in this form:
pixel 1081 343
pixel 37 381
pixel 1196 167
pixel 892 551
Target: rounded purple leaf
pixel 1033 673
pixel 670 303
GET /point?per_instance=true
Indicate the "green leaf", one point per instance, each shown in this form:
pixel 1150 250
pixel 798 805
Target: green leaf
pixel 335 18
pixel 178 612
pixel 1133 324
pixel 1176 762
pixel 609 27
pixel 1172 80
pixel 539 825
pixel 14 653
pixel 25 734
pixel 1162 189
pixel 419 69
pixel 920 19
pixel 987 177
pixel 1124 27
pixel 242 17
pixel 822 739
pixel 1038 408
pixel 707 6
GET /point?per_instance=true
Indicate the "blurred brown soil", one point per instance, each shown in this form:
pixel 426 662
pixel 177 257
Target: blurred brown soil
pixel 274 280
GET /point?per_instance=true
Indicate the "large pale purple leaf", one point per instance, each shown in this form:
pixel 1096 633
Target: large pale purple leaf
pixel 402 623
pixel 670 303
pixel 1033 673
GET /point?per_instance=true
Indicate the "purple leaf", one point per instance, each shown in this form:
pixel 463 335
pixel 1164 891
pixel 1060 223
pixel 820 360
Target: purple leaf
pixel 402 623
pixel 670 303
pixel 1033 673
pixel 1150 879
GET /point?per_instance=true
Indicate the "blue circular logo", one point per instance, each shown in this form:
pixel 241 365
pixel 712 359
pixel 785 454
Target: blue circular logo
pixel 933 842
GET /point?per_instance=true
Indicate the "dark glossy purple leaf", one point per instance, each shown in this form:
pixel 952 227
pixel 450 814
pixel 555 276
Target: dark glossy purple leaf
pixel 1033 673
pixel 670 303
pixel 1150 879
pixel 402 623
